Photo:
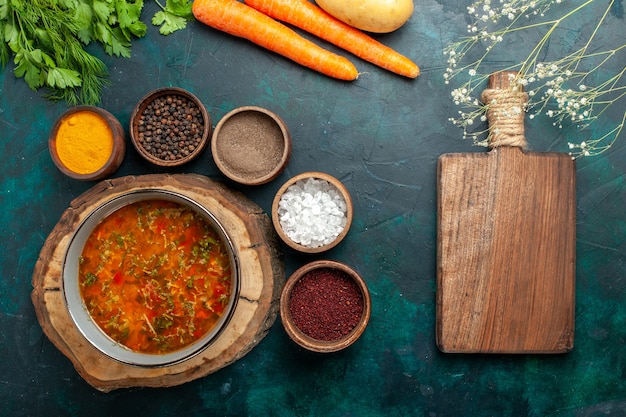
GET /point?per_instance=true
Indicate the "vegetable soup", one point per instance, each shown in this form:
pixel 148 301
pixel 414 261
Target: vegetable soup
pixel 155 276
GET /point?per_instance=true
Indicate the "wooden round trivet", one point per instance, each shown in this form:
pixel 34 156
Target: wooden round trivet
pixel 262 278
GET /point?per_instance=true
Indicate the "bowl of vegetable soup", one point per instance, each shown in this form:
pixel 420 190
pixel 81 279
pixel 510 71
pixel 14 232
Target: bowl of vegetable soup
pixel 150 278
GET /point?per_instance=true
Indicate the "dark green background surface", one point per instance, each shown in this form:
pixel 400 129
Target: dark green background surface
pixel 381 135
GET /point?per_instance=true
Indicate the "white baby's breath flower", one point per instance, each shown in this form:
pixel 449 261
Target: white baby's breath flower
pixel 549 84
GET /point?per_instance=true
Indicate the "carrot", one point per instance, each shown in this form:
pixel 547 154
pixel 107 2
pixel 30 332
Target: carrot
pixel 238 19
pixel 309 17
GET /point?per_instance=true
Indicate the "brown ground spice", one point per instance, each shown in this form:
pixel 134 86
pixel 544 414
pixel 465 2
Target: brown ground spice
pixel 250 144
pixel 326 304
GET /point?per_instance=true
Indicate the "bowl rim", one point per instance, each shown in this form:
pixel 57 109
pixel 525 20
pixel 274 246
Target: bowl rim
pixel 287 146
pixel 117 153
pixel 331 180
pixel 79 314
pixel 141 106
pixel 307 342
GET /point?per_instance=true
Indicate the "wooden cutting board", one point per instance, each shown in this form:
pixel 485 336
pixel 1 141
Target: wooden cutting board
pixel 506 240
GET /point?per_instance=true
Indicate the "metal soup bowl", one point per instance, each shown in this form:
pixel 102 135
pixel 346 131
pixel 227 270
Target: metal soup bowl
pixel 81 316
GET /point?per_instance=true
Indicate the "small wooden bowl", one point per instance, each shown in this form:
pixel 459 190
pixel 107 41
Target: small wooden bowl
pixel 280 230
pixel 66 161
pixel 336 269
pixel 251 145
pixel 184 146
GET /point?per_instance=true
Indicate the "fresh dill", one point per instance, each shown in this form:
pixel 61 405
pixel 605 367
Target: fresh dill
pixel 47 40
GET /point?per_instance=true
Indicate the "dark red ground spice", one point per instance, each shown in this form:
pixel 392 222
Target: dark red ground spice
pixel 326 304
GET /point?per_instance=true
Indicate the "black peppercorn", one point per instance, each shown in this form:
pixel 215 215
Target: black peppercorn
pixel 165 122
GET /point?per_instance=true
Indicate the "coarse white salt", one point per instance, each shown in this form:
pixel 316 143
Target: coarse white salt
pixel 312 212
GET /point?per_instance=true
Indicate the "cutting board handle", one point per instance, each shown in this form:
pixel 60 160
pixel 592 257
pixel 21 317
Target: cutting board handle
pixel 506 104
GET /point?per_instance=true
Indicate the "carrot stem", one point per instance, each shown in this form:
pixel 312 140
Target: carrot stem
pixel 309 17
pixel 238 19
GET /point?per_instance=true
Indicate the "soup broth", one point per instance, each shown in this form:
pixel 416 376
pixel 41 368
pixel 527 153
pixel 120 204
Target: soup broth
pixel 155 276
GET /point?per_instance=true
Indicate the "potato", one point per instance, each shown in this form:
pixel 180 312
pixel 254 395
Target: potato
pixel 378 16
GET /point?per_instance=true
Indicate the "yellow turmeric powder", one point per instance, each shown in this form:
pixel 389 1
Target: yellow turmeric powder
pixel 84 142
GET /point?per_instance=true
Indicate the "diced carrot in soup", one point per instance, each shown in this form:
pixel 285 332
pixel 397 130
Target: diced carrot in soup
pixel 152 275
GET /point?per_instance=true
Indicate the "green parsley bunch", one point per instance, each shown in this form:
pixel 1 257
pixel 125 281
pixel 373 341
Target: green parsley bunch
pixel 47 40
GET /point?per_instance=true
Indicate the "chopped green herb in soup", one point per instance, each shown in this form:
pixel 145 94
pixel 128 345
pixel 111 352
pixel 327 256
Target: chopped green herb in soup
pixel 155 276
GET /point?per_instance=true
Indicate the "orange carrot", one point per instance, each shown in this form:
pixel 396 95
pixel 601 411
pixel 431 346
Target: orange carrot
pixel 235 18
pixel 307 16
